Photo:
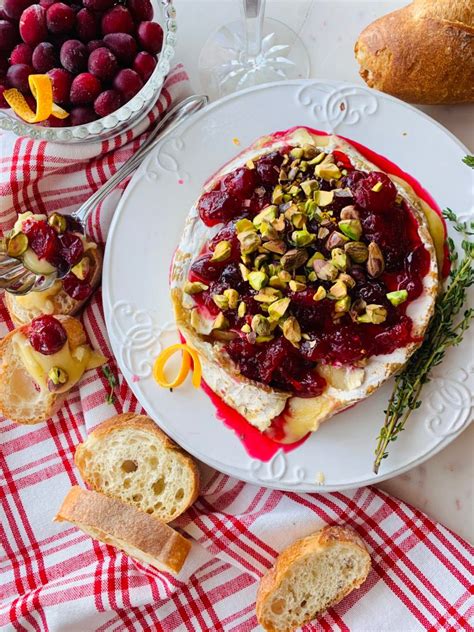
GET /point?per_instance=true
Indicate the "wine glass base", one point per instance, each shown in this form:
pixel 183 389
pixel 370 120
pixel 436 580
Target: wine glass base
pixel 225 67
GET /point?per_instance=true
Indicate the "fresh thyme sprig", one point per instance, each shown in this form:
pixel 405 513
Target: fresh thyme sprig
pixel 446 329
pixel 112 380
pixel 469 161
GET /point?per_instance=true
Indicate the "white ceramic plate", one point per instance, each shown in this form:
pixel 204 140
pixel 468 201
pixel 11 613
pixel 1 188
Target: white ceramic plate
pixel 147 228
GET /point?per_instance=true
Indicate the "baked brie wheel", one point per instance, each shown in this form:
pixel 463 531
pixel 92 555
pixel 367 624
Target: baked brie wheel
pixel 305 277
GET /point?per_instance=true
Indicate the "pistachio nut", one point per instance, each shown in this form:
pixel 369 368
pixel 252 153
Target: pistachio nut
pixel 325 270
pixel 283 175
pixel 338 290
pixel 246 328
pixel 278 246
pixel 310 208
pixel 267 295
pixel 327 171
pixel 351 228
pixel 276 282
pixel 277 195
pixel 347 279
pixel 294 259
pixel 342 305
pixel 314 257
pixel 249 242
pixel 82 269
pixel 317 159
pixel 250 164
pixel 375 262
pixel 268 232
pixel 350 212
pixel 323 198
pixel 17 245
pixel 357 251
pixel 261 325
pixel 220 322
pixel 194 287
pixel 242 309
pixel 268 214
pixel 374 314
pixel 57 375
pixel 232 298
pixel 260 261
pixel 222 251
pixel 309 186
pixel 357 308
pixel 297 286
pixel 58 222
pixel 257 279
pixel 285 276
pixel 243 225
pixel 398 297
pixel 294 190
pixel 297 153
pixel 292 173
pixel 279 223
pixel 323 232
pixel 244 271
pixel 336 240
pixel 339 259
pixel 302 238
pixel 319 294
pixel 292 330
pixel 260 339
pixel 221 301
pixel 277 309
pixel 298 220
pixel 378 186
pixel 312 276
pixel 309 151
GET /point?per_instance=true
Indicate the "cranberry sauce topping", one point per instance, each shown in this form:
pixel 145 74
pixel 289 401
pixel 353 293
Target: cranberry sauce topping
pixel 315 262
pixel 46 335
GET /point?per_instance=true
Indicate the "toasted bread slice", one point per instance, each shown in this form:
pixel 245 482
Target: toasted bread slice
pixel 130 458
pixel 23 309
pixel 142 537
pixel 309 576
pixel 22 398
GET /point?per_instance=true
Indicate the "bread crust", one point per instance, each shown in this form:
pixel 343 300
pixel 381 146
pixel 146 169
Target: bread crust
pixel 318 541
pixel 115 521
pixel 139 422
pixel 62 303
pixel 423 53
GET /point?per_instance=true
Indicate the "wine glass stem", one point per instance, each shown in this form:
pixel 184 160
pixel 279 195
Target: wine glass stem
pixel 252 16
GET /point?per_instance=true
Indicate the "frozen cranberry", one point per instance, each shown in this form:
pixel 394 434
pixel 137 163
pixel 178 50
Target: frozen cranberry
pixel 117 20
pixel 8 36
pixel 375 193
pixel 82 115
pixel 14 8
pixel 85 89
pixel 61 80
pixel 123 46
pixel 94 45
pixel 21 54
pixel 144 64
pixel 71 248
pixel 86 25
pixel 107 102
pixel 150 36
pixel 60 18
pixel 47 335
pixel 17 77
pixel 77 289
pixel 128 83
pixel 98 5
pixel 44 57
pixel 140 9
pixel 103 64
pixel 42 238
pixel 3 103
pixel 74 56
pixel 33 25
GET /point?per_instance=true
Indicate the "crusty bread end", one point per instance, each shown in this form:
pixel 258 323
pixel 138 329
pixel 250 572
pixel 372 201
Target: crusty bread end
pixel 142 537
pixel 309 576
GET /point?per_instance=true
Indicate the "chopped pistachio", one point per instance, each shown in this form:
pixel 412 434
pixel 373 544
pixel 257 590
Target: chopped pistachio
pixel 342 305
pixel 283 175
pixel 309 186
pixel 267 295
pixel 323 198
pixel 277 195
pixel 246 329
pixel 347 279
pixel 339 259
pixel 222 251
pixel 17 245
pixel 292 330
pixel 338 290
pixel 278 308
pixel 293 172
pixel 315 257
pixel 220 322
pixel 309 151
pixel 57 375
pixel 82 268
pixel 320 294
pixel 58 222
pixel 357 251
pixel 297 286
pixel 293 259
pixel 284 275
pixel 259 261
pixel 267 215
pixel 318 159
pixel 301 278
pixel 243 225
pixel 350 212
pixel 294 190
pixel 277 246
pixel 249 242
pixel 221 301
pixel 327 171
pixel 194 287
pixel 268 232
pixel 312 276
pixel 250 164
pixel 275 281
pixel 232 298
pixel 298 220
pixel 261 325
pixel 310 208
pixel 244 271
pixel 351 228
pixel 375 262
pixel 323 232
pixel 398 297
pixel 246 259
pixel 257 279
pixel 242 309
pixel 260 339
pixel 374 314
pixel 306 336
pixel 336 240
pixel 296 152
pixel 378 186
pixel 279 223
pixel 325 270
pixel 302 238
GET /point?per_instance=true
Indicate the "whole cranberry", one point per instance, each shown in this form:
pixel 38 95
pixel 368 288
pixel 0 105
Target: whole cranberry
pixel 61 80
pixel 46 3
pixel 33 25
pixel 140 9
pixel 102 64
pixel 117 20
pixel 52 121
pixel 375 193
pixel 17 77
pixel 123 46
pixel 44 57
pixel 14 8
pixel 8 36
pixel 71 248
pixel 42 239
pixel 21 54
pixel 86 25
pixel 94 45
pixel 128 83
pixel 46 335
pixel 150 37
pixel 144 64
pixel 85 89
pixel 3 103
pixel 81 115
pixel 98 5
pixel 107 102
pixel 74 56
pixel 60 18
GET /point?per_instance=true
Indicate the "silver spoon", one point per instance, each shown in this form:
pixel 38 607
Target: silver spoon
pixel 17 279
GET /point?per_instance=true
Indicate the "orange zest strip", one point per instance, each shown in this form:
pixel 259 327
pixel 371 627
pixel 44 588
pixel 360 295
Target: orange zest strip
pixel 42 90
pixel 188 354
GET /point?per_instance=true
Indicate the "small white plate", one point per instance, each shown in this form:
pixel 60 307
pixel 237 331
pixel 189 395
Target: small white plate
pixel 147 228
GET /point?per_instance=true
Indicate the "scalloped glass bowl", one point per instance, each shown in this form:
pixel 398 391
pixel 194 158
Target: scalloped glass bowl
pixel 125 117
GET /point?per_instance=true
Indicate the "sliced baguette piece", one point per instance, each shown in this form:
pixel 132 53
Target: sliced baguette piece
pixel 130 458
pixel 23 309
pixel 111 521
pixel 309 576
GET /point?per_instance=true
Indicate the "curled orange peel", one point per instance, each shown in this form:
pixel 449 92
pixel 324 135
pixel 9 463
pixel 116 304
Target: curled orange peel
pixel 42 90
pixel 188 354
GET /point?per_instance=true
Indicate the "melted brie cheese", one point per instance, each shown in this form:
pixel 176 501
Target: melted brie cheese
pixel 40 301
pixel 75 363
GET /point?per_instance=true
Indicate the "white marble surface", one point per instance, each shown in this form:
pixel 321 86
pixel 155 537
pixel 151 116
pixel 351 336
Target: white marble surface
pixel 442 487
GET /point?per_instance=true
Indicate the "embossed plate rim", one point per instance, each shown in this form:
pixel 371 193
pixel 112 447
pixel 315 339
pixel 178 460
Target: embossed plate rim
pixel 256 471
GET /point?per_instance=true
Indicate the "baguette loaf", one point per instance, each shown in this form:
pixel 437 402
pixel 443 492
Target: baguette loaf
pixel 130 458
pixel 423 53
pixel 309 576
pixel 111 521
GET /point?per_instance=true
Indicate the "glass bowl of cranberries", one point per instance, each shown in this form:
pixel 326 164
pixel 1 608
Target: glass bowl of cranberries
pixel 107 60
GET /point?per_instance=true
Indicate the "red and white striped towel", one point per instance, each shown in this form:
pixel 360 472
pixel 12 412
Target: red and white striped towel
pixel 53 578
